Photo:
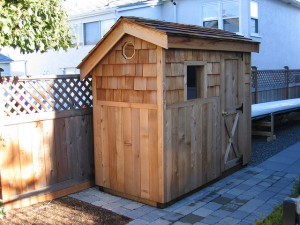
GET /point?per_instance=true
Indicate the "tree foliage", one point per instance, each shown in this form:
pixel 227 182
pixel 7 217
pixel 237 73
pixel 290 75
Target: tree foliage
pixel 34 25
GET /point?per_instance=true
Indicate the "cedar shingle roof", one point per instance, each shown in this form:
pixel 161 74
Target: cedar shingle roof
pixel 173 29
pixel 166 35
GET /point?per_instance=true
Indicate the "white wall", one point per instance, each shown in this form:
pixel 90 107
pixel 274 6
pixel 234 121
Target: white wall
pixel 279 26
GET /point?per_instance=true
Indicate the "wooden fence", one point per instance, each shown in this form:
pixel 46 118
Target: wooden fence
pixel 46 131
pixel 273 85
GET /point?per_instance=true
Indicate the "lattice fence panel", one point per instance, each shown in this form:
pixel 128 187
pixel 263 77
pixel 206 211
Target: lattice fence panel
pixel 22 95
pixel 275 78
pixel 295 74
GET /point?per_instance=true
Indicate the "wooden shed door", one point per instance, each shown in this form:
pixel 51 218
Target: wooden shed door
pixel 232 109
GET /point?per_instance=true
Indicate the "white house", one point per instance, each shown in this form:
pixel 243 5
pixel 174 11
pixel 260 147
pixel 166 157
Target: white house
pixel 274 23
pixel 5 65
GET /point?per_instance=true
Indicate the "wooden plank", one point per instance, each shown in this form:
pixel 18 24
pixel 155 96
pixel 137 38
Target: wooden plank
pixel 112 83
pixel 108 70
pixel 168 153
pixel 209 140
pixel 194 141
pixel 175 156
pixel 138 70
pixel 128 141
pixel 152 56
pixel 151 84
pixel 144 148
pixel 50 154
pixel 112 57
pixel 149 70
pixel 177 69
pixel 197 113
pixel 26 164
pixel 120 149
pixel 200 101
pixel 140 83
pixel 216 45
pixel 112 151
pixel 187 152
pixel 153 157
pixel 150 35
pixel 205 149
pixel 128 70
pixel 160 122
pixel 143 56
pixel 181 151
pixel 60 147
pixel 129 81
pixel 38 160
pixel 135 167
pixel 118 70
pixel 105 147
pixel 10 172
pixel 118 95
pixel 150 97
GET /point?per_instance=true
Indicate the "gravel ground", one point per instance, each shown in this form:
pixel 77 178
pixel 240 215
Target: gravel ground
pixel 287 134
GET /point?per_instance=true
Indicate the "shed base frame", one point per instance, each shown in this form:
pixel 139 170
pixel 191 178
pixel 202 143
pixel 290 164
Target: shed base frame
pixel 167 204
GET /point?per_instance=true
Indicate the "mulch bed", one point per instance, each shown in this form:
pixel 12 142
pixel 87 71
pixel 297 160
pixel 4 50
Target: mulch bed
pixel 64 210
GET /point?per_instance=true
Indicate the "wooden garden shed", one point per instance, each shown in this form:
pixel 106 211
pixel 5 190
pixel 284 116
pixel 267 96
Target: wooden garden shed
pixel 172 107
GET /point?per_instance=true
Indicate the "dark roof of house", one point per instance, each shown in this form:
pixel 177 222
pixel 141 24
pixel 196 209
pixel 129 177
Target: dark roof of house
pixel 173 29
pixel 4 58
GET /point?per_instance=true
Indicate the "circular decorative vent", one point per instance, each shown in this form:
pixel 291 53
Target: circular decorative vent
pixel 128 50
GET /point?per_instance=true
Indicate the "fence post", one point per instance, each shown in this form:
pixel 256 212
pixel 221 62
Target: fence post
pixel 255 73
pixel 287 78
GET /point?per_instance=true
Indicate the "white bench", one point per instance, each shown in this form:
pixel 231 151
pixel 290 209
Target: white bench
pixel 263 115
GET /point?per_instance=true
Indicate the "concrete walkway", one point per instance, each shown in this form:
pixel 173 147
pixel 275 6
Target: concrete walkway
pixel 240 198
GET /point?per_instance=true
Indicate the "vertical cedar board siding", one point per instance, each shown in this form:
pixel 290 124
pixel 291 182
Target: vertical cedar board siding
pixel 126 136
pixel 192 127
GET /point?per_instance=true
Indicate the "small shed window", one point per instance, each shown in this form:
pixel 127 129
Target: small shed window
pixel 195 80
pixel 128 50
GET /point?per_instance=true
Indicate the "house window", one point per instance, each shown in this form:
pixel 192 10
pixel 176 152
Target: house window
pixel 254 17
pixel 195 80
pixel 230 16
pixel 222 15
pixel 91 33
pixel 94 31
pixel 210 16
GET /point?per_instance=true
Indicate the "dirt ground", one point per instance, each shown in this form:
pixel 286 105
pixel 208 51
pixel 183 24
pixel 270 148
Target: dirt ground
pixel 64 210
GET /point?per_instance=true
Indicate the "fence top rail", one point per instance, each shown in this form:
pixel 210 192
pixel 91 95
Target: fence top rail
pixel 39 77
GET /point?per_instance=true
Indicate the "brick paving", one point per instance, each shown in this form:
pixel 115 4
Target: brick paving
pixel 239 199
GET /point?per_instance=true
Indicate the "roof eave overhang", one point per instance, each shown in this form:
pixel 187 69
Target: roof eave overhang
pixel 122 27
pixel 215 44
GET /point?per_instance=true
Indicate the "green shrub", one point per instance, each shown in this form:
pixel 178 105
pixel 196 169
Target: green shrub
pixel 2 211
pixel 276 217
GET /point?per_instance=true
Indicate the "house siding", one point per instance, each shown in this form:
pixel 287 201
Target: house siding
pixel 280 34
pixel 279 41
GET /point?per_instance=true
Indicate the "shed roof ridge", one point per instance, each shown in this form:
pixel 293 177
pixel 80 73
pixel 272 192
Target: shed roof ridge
pixel 172 28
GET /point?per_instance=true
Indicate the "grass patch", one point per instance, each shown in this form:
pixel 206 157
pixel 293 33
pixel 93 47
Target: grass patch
pixel 276 217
